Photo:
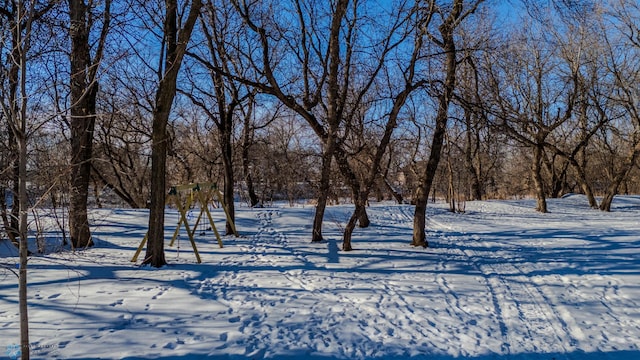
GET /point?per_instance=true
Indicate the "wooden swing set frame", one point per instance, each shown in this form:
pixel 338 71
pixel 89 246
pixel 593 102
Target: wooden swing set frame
pixel 183 197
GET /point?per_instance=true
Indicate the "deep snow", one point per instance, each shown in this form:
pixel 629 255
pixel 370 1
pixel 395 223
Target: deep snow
pixel 499 282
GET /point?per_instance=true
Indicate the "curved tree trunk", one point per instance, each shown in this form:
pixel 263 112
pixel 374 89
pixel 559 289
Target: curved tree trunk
pixel 584 185
pixel 442 116
pixel 396 194
pixel 607 200
pixel 358 194
pixel 348 229
pixel 612 189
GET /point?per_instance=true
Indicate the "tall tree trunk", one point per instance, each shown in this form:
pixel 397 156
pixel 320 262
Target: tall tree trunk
pixel 175 49
pixel 20 21
pixel 155 246
pixel 15 207
pixel 538 182
pixel 24 243
pixel 82 123
pixel 471 149
pixel 361 193
pixel 330 141
pixel 83 94
pixel 424 188
pixel 442 116
pixel 248 178
pixel 227 163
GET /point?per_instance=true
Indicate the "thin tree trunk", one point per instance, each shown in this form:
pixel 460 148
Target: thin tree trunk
pixel 396 194
pixel 24 251
pixel 227 162
pixel 246 143
pixel 471 149
pixel 538 182
pixel 15 207
pixel 451 194
pixel 323 190
pixel 15 113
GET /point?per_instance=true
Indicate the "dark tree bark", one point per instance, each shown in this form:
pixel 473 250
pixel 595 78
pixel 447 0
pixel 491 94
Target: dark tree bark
pixel 538 182
pixel 330 88
pixel 360 211
pixel 474 168
pixel 448 45
pixel 621 174
pixel 176 43
pixel 247 141
pixel 323 190
pixel 83 93
pixel 24 243
pixel 227 163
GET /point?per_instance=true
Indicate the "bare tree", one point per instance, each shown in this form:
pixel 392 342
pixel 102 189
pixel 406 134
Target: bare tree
pixel 19 18
pixel 175 43
pixel 624 68
pixel 535 94
pixel 451 17
pixel 420 17
pixel 221 97
pixel 121 162
pixel 84 91
pixel 327 43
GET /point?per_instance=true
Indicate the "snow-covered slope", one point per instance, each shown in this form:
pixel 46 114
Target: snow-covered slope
pixel 499 282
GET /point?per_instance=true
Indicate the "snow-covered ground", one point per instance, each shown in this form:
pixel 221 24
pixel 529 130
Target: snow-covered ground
pixel 499 282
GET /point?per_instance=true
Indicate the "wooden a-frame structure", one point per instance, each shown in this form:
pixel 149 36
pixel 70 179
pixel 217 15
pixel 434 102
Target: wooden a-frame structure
pixel 196 195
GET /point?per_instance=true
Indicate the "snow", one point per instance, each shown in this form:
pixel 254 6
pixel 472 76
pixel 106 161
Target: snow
pixel 499 282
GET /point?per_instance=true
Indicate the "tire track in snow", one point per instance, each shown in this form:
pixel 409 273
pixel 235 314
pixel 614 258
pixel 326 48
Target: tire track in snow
pixel 525 309
pixel 521 307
